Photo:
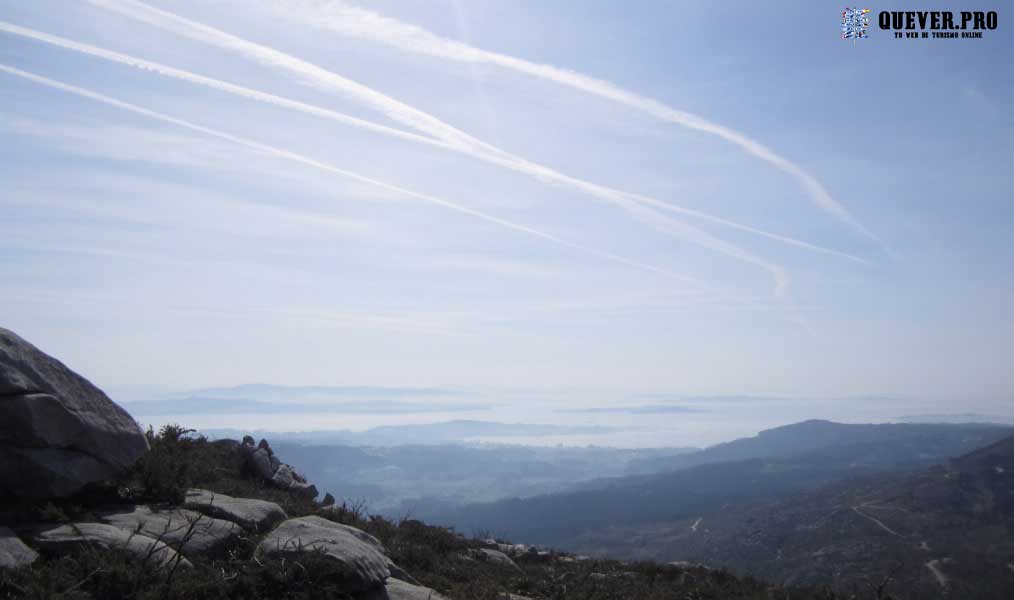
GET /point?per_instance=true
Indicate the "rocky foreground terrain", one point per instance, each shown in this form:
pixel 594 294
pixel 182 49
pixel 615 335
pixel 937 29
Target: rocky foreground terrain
pixel 91 506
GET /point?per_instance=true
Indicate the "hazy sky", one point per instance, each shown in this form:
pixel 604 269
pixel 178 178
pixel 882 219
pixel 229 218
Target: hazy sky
pixel 708 198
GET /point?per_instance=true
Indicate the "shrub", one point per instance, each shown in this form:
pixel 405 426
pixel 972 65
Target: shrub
pixel 166 471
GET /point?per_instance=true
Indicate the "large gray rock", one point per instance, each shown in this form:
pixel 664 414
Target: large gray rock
pixel 13 552
pixel 359 555
pixel 58 432
pixel 186 530
pixel 259 460
pixel 253 515
pixel 61 539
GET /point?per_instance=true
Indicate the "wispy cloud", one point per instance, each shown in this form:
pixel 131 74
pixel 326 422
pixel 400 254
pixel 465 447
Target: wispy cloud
pixel 304 160
pixel 346 19
pixel 121 142
pixel 413 323
pixel 156 203
pixel 647 409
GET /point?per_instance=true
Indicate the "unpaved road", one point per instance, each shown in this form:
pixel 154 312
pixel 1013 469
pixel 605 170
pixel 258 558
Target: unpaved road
pixel 877 521
pixel 934 567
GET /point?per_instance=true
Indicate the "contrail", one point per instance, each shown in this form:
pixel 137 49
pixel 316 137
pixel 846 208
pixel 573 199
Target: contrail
pixel 217 84
pixel 415 118
pixel 310 73
pixel 298 158
pixel 501 159
pixel 357 22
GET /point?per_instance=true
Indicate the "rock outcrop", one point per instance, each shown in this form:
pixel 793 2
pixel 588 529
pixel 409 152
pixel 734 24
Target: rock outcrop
pixel 260 460
pixel 186 530
pixel 61 539
pixel 252 515
pixel 58 432
pixel 360 555
pixel 514 550
pixel 13 552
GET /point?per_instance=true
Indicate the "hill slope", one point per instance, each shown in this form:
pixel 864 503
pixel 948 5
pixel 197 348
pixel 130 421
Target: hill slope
pixel 948 529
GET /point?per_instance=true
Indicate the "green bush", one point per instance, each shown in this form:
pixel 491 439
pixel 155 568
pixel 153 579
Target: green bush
pixel 167 470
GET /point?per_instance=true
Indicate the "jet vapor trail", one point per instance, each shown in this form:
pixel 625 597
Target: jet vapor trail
pixel 154 67
pixel 357 22
pixel 515 163
pixel 310 73
pixel 432 125
pixel 298 158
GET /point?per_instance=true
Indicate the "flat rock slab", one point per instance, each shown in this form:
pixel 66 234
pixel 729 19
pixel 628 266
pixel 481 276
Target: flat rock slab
pixel 189 530
pixel 358 554
pixel 396 589
pixel 13 552
pixel 399 573
pixel 61 539
pixel 252 515
pixel 495 557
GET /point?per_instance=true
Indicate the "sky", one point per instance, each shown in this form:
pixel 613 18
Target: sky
pixel 623 198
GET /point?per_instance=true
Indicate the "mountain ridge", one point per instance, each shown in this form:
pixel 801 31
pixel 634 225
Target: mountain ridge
pixel 764 468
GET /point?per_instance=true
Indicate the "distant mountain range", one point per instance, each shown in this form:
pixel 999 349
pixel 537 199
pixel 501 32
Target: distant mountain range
pixel 957 418
pixel 771 466
pixel 280 399
pixel 272 391
pixel 873 444
pixel 199 405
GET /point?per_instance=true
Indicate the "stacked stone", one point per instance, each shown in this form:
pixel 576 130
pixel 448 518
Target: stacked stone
pixel 261 461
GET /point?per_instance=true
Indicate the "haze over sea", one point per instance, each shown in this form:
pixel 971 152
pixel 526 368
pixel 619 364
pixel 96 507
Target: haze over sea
pixel 569 417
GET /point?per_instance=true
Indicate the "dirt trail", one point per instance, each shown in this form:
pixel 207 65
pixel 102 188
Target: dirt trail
pixel 934 567
pixel 877 521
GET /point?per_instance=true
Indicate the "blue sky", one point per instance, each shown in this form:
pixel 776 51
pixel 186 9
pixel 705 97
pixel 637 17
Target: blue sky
pixel 654 197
